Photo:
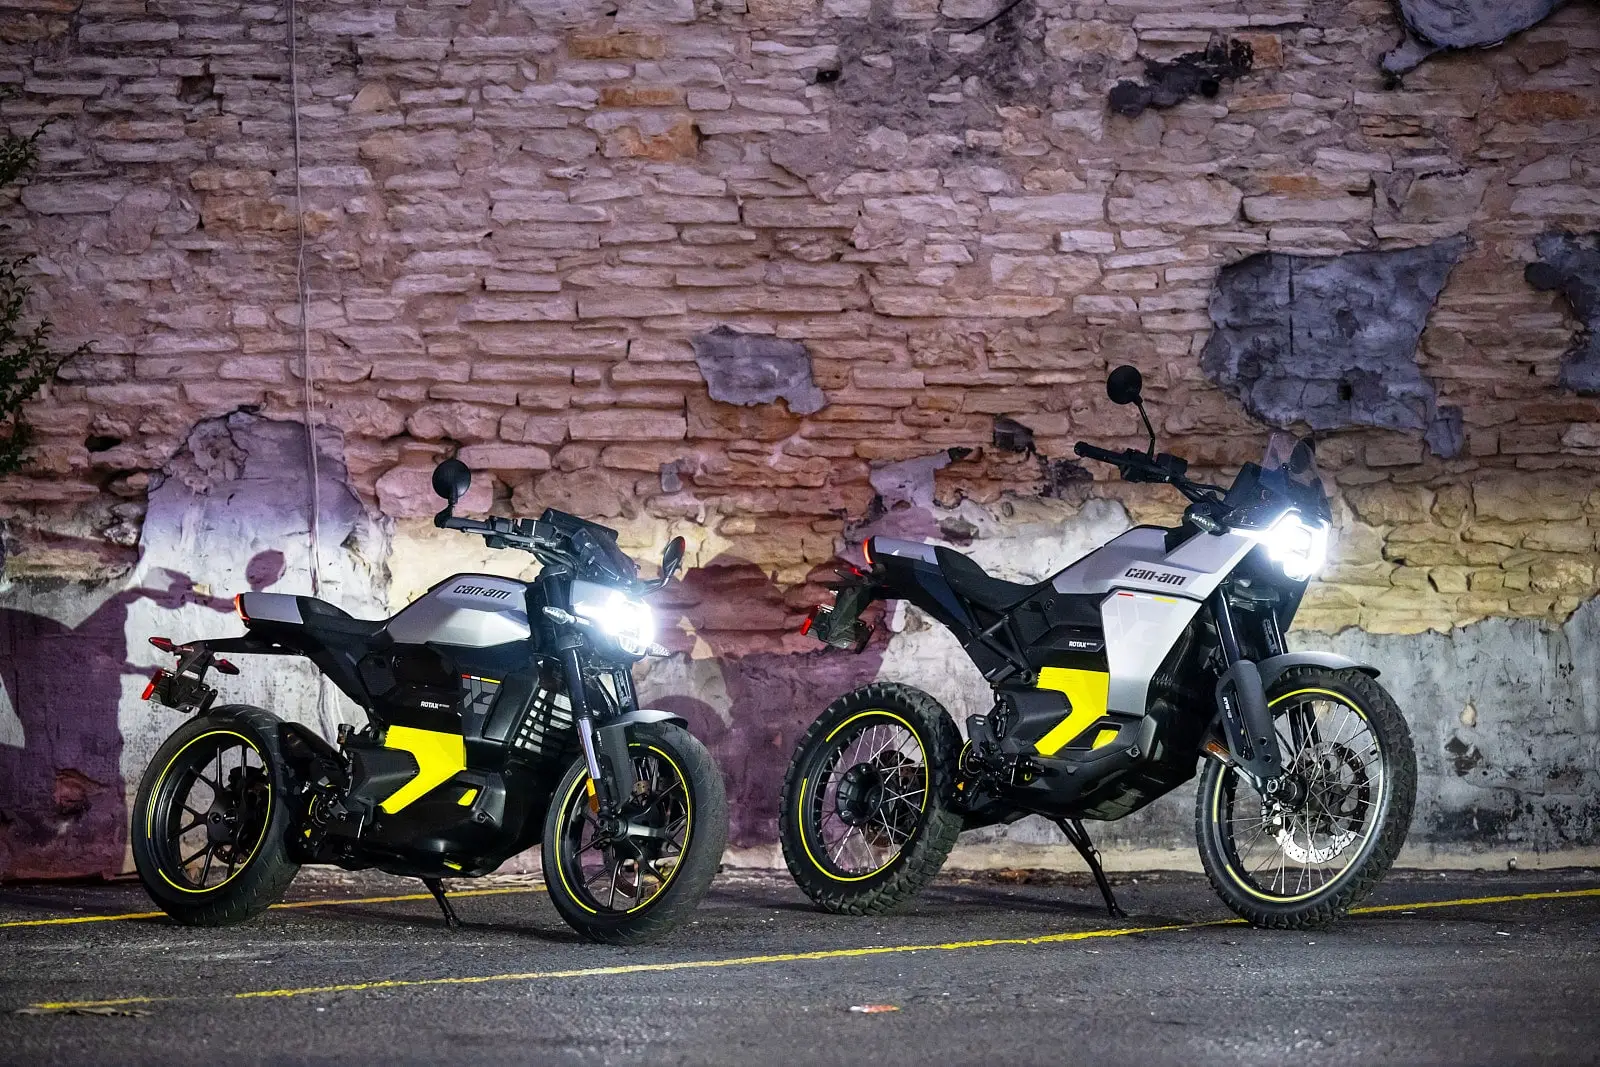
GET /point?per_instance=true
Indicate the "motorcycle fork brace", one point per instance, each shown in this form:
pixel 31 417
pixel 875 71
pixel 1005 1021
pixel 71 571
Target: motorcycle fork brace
pixel 1242 707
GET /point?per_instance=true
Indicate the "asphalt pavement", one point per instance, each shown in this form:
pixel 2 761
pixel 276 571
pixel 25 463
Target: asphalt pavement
pixel 1452 968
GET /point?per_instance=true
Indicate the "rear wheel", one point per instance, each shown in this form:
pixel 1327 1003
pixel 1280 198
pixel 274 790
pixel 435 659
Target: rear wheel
pixel 865 821
pixel 630 879
pixel 210 823
pixel 1302 860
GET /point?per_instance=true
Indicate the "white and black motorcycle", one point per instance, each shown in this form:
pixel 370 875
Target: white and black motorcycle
pixel 1113 680
pixel 501 714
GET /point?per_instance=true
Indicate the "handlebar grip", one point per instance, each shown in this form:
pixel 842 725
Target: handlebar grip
pixel 1105 455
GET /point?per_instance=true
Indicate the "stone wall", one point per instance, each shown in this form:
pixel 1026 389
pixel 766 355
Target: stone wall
pixel 528 226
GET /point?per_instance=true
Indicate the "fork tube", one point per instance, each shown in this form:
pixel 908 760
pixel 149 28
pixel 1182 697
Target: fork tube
pixel 580 708
pixel 1226 634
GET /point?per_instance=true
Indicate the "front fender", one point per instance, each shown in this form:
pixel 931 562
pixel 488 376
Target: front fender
pixel 645 715
pixel 1273 667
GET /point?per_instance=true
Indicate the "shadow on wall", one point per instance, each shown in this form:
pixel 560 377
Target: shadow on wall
pixel 62 798
pixel 750 685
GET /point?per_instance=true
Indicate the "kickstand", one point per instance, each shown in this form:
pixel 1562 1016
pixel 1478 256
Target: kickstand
pixel 437 889
pixel 1079 837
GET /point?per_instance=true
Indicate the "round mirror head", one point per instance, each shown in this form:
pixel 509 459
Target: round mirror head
pixel 452 479
pixel 1123 385
pixel 672 557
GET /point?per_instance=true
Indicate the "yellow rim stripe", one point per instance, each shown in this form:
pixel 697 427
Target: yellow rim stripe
pixel 68 920
pixel 787 957
pixel 1216 809
pixel 155 794
pixel 927 785
pixel 688 832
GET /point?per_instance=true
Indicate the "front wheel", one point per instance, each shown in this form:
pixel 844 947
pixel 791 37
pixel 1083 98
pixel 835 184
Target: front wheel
pixel 633 878
pixel 1301 860
pixel 211 822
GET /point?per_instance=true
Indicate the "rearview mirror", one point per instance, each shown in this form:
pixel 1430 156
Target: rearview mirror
pixel 672 558
pixel 451 480
pixel 1124 384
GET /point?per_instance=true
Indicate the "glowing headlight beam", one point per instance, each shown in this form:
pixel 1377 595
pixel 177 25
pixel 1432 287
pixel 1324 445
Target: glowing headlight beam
pixel 1299 547
pixel 625 620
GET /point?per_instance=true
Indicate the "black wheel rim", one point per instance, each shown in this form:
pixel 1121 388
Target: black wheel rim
pixel 626 866
pixel 209 812
pixel 864 801
pixel 1288 854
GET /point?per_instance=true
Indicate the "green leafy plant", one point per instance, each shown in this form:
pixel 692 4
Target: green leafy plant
pixel 27 361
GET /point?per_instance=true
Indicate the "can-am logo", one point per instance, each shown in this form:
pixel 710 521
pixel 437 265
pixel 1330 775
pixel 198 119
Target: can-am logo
pixel 478 590
pixel 1143 574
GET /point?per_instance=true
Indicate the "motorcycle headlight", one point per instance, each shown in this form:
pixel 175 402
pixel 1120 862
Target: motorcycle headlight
pixel 1299 547
pixel 628 622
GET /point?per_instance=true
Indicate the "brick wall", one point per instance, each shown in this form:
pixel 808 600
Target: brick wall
pixel 517 214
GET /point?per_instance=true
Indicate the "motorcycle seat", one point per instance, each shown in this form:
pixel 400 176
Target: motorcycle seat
pixel 971 581
pixel 321 615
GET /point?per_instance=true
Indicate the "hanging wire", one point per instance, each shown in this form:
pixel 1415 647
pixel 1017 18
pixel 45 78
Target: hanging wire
pixel 326 712
pixel 302 292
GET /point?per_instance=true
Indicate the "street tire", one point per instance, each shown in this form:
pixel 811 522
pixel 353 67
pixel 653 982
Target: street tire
pixel 864 838
pixel 688 805
pixel 217 787
pixel 1357 719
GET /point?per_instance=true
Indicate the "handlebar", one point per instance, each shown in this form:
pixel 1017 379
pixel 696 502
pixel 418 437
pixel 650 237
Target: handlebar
pixel 530 535
pixel 1137 466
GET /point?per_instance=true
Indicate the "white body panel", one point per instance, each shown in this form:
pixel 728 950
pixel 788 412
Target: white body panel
pixel 1151 595
pixel 473 610
pixel 270 607
pixel 1139 559
pixel 1141 629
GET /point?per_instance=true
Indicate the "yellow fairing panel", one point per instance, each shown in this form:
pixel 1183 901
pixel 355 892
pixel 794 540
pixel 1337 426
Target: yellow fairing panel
pixel 1086 691
pixel 439 758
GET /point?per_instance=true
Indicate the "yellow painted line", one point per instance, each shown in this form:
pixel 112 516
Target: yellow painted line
pixel 652 968
pixel 1467 902
pixel 789 957
pixel 69 920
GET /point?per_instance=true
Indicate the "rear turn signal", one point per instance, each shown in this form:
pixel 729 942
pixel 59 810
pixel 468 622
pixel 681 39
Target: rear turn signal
pixel 811 617
pixel 151 688
pixel 866 551
pixel 238 606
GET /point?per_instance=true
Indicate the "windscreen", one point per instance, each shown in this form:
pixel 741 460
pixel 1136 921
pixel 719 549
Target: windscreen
pixel 1293 456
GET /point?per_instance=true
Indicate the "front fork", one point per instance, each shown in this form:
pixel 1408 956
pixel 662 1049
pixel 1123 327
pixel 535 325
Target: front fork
pixel 1242 706
pixel 605 748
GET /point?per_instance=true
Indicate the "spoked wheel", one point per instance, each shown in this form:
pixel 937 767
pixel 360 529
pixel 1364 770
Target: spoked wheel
pixel 865 822
pixel 1305 856
pixel 631 877
pixel 210 821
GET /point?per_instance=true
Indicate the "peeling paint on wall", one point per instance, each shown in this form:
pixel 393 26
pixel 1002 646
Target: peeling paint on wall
pixel 229 513
pixel 1331 341
pixel 1570 264
pixel 752 368
pixel 1192 73
pixel 1444 25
